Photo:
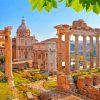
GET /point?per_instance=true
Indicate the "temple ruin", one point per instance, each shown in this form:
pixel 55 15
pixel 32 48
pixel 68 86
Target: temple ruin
pixel 78 28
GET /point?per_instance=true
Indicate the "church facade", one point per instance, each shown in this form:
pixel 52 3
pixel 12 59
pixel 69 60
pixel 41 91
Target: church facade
pixel 23 42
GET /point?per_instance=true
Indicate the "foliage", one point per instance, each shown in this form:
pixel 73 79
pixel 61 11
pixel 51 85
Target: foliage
pixel 77 5
pixel 86 72
pixel 5 91
pixel 38 76
pixel 22 91
pixel 18 78
pixel 50 85
pixel 28 77
pixel 1 73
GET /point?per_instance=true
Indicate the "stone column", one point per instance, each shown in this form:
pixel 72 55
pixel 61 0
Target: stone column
pixel 45 60
pixel 33 56
pixel 59 58
pixel 36 59
pixel 84 52
pixel 91 51
pixel 67 53
pixel 97 51
pixel 8 53
pixel 41 60
pixel 76 53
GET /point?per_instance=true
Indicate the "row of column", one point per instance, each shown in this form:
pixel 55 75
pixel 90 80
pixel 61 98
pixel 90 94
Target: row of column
pixel 84 52
pixel 41 56
pixel 67 52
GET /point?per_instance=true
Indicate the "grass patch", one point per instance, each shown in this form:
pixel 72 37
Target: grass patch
pixel 19 78
pixel 5 91
pixel 50 85
pixel 22 91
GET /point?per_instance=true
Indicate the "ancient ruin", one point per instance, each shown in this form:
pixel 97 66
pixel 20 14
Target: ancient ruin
pixel 6 44
pixel 78 28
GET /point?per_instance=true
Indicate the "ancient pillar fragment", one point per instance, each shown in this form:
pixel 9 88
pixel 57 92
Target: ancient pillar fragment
pixel 84 52
pixel 67 52
pixel 91 52
pixel 97 51
pixel 76 53
pixel 59 57
pixel 45 59
pixel 8 53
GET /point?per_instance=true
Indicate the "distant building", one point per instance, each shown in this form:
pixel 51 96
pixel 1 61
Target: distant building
pixel 23 42
pixel 44 55
pixel 26 47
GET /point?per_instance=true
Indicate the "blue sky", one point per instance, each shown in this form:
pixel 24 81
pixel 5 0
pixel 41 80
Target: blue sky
pixel 41 23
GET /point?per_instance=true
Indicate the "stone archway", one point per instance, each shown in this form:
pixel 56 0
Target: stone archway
pixel 5 37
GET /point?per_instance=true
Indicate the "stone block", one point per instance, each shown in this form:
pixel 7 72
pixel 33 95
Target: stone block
pixel 96 79
pixel 63 83
pixel 80 83
pixel 88 81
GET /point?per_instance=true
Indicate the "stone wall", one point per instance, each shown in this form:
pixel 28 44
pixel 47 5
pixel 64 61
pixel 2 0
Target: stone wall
pixel 86 88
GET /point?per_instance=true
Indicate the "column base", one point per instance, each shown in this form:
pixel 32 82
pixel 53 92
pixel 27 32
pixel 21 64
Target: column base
pixel 63 83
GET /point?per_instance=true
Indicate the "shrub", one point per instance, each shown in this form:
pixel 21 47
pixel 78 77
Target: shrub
pixel 50 85
pixel 5 91
pixel 38 77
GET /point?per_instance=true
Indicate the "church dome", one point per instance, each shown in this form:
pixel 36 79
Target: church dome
pixel 23 30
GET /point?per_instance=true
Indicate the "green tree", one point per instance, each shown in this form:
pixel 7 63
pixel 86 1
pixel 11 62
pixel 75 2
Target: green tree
pixel 77 5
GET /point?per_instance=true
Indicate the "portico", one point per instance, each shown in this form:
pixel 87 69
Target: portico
pixel 78 28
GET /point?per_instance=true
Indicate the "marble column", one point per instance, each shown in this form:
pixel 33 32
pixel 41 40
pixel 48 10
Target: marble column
pixel 91 52
pixel 67 53
pixel 97 51
pixel 84 52
pixel 76 53
pixel 59 57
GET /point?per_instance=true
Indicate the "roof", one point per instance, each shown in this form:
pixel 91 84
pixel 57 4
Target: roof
pixel 49 40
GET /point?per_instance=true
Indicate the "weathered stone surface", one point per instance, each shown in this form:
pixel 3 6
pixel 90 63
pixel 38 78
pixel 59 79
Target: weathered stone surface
pixel 80 83
pixel 96 79
pixel 63 83
pixel 88 81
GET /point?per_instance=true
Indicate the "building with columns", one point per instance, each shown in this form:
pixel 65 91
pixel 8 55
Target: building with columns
pixel 78 28
pixel 26 48
pixel 23 43
pixel 44 55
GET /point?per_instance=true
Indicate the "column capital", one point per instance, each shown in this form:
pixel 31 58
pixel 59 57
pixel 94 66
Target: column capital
pixel 84 36
pixel 7 30
pixel 91 36
pixel 76 35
